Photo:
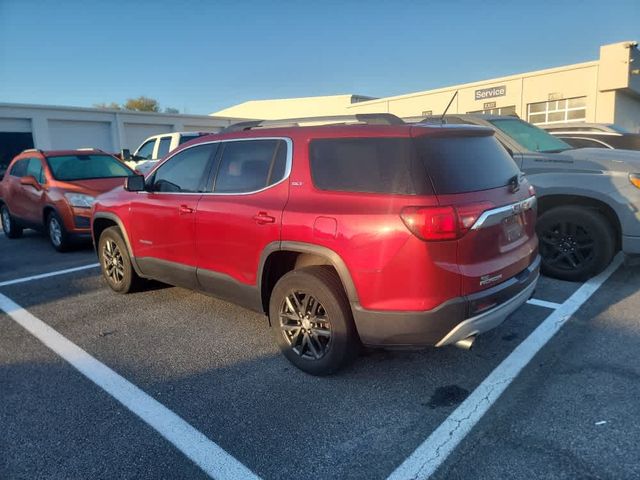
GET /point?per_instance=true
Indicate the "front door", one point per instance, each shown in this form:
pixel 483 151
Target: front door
pixel 241 216
pixel 163 218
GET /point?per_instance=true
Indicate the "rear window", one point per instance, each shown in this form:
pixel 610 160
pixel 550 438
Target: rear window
pixel 186 138
pixel 465 163
pixel 371 165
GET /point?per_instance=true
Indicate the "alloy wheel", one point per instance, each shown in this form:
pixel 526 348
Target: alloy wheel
pixel 6 220
pixel 567 245
pixel 305 325
pixel 113 262
pixel 55 231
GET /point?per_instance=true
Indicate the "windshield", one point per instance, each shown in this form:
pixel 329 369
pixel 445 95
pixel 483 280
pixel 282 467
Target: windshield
pixel 85 167
pixel 529 136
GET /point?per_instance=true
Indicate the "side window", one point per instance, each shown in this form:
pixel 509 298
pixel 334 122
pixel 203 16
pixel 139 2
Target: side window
pixel 34 168
pixel 184 172
pixel 250 165
pixel 163 146
pixel 19 168
pixel 146 150
pixel 370 165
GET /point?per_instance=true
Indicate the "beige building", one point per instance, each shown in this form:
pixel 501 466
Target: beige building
pixel 606 90
pixel 292 107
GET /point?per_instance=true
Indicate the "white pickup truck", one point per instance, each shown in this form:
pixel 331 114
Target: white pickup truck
pixel 156 147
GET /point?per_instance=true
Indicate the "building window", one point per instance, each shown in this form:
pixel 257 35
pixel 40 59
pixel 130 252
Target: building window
pixel 510 110
pixel 557 111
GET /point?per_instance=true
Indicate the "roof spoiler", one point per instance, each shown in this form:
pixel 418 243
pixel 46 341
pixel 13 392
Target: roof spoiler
pixel 366 118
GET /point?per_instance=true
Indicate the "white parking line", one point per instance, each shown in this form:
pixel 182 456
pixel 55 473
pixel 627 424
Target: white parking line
pixel 432 453
pixel 544 303
pixel 47 275
pixel 211 458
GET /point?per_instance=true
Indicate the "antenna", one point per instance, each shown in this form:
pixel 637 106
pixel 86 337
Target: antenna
pixel 447 109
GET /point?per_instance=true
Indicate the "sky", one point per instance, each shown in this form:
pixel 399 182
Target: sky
pixel 201 56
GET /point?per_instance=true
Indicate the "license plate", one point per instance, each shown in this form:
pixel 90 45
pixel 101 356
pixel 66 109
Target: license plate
pixel 513 228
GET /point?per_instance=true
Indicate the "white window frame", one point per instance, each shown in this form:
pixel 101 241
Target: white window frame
pixel 547 111
pixel 495 111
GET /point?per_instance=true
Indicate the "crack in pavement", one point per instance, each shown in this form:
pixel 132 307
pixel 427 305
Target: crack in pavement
pixel 485 399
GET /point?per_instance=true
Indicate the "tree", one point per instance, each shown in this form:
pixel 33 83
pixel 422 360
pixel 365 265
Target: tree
pixel 142 104
pixel 112 105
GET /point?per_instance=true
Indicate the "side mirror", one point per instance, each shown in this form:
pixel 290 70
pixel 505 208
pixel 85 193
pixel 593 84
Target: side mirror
pixel 134 183
pixel 125 154
pixel 31 181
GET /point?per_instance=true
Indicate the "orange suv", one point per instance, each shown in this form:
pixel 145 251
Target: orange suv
pixel 54 191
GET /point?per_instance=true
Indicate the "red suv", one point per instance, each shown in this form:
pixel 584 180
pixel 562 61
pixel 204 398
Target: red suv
pixel 54 190
pixel 383 235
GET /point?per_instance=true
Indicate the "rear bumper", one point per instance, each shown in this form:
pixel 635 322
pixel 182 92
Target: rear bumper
pixel 630 244
pixel 452 321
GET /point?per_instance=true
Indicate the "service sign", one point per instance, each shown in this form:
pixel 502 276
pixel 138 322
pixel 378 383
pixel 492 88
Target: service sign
pixel 500 91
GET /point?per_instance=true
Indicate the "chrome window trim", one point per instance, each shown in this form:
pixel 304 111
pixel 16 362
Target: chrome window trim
pixel 584 132
pixel 496 215
pixel 287 170
pixel 595 140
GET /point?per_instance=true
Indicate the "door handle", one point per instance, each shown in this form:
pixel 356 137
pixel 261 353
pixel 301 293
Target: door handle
pixel 262 217
pixel 184 210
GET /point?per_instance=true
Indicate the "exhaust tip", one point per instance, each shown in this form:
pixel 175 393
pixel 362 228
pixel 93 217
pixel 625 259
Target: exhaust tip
pixel 466 343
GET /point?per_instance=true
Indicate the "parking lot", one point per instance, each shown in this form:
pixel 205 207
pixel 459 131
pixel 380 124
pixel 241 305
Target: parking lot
pixel 216 397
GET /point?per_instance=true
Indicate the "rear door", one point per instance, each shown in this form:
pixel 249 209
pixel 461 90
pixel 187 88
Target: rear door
pixel 241 215
pixel 163 219
pixel 12 188
pixel 31 198
pixel 473 173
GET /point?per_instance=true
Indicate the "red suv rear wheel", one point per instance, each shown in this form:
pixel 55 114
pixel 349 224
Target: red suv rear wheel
pixel 312 322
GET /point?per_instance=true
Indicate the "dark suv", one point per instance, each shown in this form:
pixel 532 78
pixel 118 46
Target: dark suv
pixel 387 234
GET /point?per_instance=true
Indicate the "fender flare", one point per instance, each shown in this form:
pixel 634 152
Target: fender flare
pixel 301 247
pixel 114 218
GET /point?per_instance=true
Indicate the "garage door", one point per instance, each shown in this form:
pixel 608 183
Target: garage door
pixel 69 134
pixel 136 133
pixel 15 136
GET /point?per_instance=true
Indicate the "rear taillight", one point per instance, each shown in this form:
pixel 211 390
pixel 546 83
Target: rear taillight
pixel 442 223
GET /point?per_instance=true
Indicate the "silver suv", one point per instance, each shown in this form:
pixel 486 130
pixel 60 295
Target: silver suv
pixel 589 198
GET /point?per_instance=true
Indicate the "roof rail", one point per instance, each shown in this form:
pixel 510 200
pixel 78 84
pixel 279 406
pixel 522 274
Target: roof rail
pixel 88 149
pixel 366 118
pixel 31 150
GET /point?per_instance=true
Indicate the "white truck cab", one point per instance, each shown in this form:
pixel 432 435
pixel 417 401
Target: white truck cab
pixel 155 148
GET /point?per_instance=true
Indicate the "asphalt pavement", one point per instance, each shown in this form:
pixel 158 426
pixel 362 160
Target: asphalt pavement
pixel 216 366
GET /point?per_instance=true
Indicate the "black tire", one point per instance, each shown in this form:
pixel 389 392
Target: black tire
pixel 10 226
pixel 320 294
pixel 57 234
pixel 115 262
pixel 575 242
